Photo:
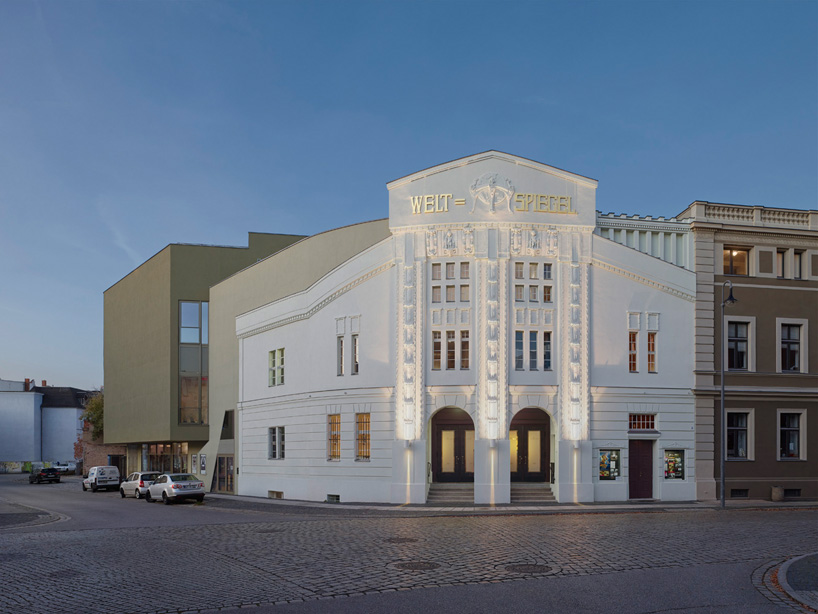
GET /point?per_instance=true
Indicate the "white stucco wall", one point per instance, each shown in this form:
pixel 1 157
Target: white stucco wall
pixel 61 426
pixel 20 435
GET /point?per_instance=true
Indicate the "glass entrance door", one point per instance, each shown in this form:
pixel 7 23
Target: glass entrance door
pixel 455 458
pixel 224 473
pixel 528 448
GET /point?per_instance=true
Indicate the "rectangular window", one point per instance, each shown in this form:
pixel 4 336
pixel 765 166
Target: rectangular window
pixel 436 349
pixel 361 437
pixel 632 362
pixel 674 464
pixel 340 356
pixel 334 437
pixel 546 294
pixel 435 294
pixel 791 347
pixel 533 357
pixel 608 464
pixel 533 294
pixel 780 263
pixel 436 270
pixel 464 293
pixel 789 433
pixel 354 354
pixel 464 270
pixel 518 293
pixel 518 270
pixel 651 352
pixel 546 350
pixel 546 271
pixel 193 362
pixel 533 270
pixel 641 422
pixel 450 349
pixel 276 367
pixel 737 346
pixel 737 439
pixel 797 259
pixel 275 448
pixel 464 349
pixel 736 261
pixel 518 350
pixel 450 294
pixel 450 270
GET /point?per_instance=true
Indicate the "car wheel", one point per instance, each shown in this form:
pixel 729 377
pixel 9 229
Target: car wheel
pixel 84 487
pixel 200 498
pixel 148 496
pixel 93 488
pixel 165 498
pixel 122 492
pixel 137 494
pixel 57 480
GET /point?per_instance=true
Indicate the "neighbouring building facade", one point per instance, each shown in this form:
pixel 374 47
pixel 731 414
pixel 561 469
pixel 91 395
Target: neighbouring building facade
pixel 156 352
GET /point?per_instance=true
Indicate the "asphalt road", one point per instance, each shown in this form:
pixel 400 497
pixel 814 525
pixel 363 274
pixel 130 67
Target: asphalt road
pixel 95 552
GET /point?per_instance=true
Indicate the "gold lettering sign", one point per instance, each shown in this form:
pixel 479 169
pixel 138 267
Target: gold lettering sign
pixel 535 203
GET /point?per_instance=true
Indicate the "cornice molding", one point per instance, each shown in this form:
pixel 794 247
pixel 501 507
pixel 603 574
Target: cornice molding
pixel 646 226
pixel 305 315
pixel 644 280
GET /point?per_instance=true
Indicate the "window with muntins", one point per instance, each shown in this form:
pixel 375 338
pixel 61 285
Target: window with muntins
pixel 464 349
pixel 632 355
pixel 362 437
pixel 276 367
pixel 651 352
pixel 546 347
pixel 518 350
pixel 450 349
pixel 533 356
pixel 355 354
pixel 436 349
pixel 736 261
pixel 641 422
pixel 193 362
pixel 334 437
pixel 340 356
pixel 737 346
pixel 737 423
pixel 791 347
pixel 275 438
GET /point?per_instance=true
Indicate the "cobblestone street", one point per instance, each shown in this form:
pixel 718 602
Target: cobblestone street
pixel 312 554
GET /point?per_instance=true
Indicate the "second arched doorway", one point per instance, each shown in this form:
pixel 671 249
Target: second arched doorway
pixel 452 446
pixel 529 438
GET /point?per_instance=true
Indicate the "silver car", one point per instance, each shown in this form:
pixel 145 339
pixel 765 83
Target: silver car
pixel 137 483
pixel 172 487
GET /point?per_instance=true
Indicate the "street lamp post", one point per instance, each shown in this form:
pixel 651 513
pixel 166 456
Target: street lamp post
pixel 722 451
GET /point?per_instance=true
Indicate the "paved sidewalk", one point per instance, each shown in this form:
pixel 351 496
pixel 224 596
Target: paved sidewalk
pixel 14 515
pixel 799 579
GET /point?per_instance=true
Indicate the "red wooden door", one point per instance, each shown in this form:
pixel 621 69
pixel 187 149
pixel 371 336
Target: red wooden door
pixel 640 469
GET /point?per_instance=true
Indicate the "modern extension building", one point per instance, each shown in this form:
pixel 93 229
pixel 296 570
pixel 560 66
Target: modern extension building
pixel 156 344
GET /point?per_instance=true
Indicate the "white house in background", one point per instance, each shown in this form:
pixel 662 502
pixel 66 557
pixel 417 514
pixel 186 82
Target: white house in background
pixel 40 423
pixel 502 332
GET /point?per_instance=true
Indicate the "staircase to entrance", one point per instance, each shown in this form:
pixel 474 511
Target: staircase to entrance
pixel 450 494
pixel 531 494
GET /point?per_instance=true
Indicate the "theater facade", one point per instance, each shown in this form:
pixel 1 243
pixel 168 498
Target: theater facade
pixel 492 333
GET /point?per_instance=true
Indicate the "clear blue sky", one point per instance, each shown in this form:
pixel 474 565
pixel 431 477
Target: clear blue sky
pixel 128 125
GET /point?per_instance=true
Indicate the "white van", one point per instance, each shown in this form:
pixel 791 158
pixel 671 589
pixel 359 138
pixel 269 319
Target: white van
pixel 106 477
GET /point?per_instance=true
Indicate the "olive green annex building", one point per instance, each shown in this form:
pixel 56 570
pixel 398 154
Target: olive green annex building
pixel 156 353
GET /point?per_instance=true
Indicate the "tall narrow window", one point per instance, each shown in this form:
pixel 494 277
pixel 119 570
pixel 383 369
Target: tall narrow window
pixel 532 270
pixel 632 364
pixel 275 447
pixel 464 293
pixel 435 294
pixel 276 367
pixel 436 270
pixel 464 270
pixel 450 270
pixel 780 259
pixel 546 294
pixel 533 294
pixel 518 270
pixel 518 293
pixel 651 352
pixel 546 271
pixel 354 354
pixel 737 346
pixel 450 349
pixel 790 347
pixel 518 350
pixel 533 356
pixel 546 350
pixel 340 356
pixel 797 259
pixel 361 437
pixel 450 294
pixel 464 349
pixel 193 362
pixel 334 437
pixel 436 341
pixel 790 435
pixel 737 435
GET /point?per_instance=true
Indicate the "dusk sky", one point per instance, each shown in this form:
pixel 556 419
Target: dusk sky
pixel 129 125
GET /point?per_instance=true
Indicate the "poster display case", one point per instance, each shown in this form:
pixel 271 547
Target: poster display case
pixel 674 464
pixel 608 464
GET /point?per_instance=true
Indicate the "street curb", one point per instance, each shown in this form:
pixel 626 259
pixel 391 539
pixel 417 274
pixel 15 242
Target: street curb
pixel 798 596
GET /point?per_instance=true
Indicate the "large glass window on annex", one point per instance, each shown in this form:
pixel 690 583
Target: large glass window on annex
pixel 193 362
pixel 736 261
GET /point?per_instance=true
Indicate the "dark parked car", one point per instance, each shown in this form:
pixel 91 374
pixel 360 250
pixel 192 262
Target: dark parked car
pixel 44 475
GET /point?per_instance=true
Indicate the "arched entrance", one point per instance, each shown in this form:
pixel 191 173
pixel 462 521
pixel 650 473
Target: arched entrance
pixel 452 446
pixel 529 438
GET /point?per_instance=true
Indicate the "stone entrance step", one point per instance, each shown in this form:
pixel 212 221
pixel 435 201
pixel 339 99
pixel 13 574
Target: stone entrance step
pixel 450 494
pixel 531 494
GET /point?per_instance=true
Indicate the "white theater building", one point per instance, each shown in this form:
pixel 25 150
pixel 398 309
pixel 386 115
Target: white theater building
pixel 498 331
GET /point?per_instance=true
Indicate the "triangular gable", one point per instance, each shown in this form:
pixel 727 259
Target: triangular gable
pixel 492 187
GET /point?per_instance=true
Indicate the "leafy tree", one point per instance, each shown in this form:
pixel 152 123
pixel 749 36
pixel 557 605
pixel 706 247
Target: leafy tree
pixel 94 414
